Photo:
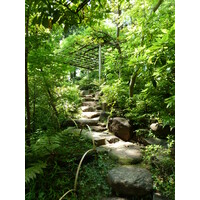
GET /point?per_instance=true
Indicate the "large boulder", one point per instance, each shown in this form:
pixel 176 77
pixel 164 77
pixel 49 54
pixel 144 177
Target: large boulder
pixel 120 127
pixel 161 131
pixel 130 181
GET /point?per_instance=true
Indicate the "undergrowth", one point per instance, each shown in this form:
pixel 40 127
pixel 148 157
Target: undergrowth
pixel 51 164
pixel 162 167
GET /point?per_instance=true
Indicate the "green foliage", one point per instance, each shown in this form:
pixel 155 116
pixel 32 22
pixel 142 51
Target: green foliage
pixel 61 152
pixel 115 94
pixel 93 176
pixel 68 100
pixel 145 49
pixel 162 167
pixel 31 172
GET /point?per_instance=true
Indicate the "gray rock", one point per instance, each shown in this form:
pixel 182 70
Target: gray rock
pixel 130 181
pixel 154 141
pixel 130 154
pixel 98 128
pixel 99 141
pixel 88 99
pixel 90 115
pixel 87 109
pixel 89 103
pixel 113 140
pixel 160 131
pixel 90 122
pixel 158 196
pixel 120 127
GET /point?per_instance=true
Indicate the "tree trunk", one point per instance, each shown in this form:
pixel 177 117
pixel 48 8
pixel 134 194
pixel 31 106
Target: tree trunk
pixel 157 5
pixel 132 84
pixel 28 132
pixel 118 46
pixel 51 99
pixel 34 102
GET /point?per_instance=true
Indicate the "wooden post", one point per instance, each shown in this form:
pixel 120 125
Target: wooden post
pixel 99 63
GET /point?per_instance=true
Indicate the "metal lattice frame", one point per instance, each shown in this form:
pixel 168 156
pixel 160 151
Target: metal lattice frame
pixel 89 57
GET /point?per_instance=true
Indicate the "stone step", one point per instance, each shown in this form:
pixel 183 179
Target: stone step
pixel 101 124
pixel 132 181
pixel 121 151
pixel 89 99
pixel 98 128
pixel 88 109
pixel 90 122
pixel 89 96
pixel 90 115
pixel 86 92
pixel 98 107
pixel 90 103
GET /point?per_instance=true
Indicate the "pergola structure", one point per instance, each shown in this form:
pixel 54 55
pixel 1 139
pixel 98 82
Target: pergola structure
pixel 89 57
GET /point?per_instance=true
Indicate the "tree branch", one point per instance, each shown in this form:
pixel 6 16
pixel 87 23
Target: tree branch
pixel 157 5
pixel 82 5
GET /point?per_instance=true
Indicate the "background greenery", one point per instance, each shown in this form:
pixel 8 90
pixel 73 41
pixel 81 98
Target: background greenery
pixel 138 82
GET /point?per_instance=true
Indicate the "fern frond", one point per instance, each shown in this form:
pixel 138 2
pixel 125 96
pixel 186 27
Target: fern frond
pixel 37 168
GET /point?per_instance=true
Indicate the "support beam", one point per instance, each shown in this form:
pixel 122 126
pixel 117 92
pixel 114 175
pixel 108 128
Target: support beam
pixel 99 63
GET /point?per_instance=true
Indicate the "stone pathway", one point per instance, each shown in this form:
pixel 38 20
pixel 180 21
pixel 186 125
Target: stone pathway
pixel 127 180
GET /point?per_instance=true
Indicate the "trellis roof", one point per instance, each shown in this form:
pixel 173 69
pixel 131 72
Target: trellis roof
pixel 88 57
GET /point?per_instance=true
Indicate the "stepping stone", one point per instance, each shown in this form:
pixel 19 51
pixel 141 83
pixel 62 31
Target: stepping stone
pixel 89 96
pixel 127 155
pixel 122 152
pixel 90 115
pixel 98 108
pixel 87 109
pixel 89 99
pixel 90 103
pixel 130 181
pixel 98 128
pixel 113 140
pixel 90 122
pixel 101 124
pixel 156 141
pixel 99 141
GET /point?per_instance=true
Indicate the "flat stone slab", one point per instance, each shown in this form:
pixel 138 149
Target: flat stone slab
pixel 121 151
pixel 98 128
pixel 90 103
pixel 90 115
pixel 127 154
pixel 89 98
pixel 84 121
pixel 101 124
pixel 88 109
pixel 130 180
pixel 156 141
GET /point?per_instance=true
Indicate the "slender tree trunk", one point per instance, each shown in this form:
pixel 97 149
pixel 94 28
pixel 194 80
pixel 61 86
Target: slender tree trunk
pixel 157 5
pixel 132 84
pixel 117 45
pixel 134 76
pixel 51 99
pixel 28 133
pixel 34 102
